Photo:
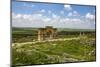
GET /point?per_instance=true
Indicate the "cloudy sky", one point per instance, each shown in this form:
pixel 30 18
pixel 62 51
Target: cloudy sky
pixel 32 14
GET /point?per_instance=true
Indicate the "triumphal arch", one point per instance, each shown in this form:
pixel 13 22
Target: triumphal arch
pixel 47 33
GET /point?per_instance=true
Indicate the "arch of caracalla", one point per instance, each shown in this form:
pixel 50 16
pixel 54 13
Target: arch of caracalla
pixel 47 33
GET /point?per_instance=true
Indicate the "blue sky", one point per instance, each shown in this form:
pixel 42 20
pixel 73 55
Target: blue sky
pixel 32 14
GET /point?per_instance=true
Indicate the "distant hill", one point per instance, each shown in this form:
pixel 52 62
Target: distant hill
pixel 23 28
pixel 70 29
pixel 59 29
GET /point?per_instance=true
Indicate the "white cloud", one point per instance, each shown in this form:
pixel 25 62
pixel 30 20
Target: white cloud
pixel 25 20
pixel 75 19
pixel 39 20
pixel 49 11
pixel 32 5
pixel 54 16
pixel 62 12
pixel 38 15
pixel 43 11
pixel 68 7
pixel 47 19
pixel 90 16
pixel 73 13
pixel 70 14
pixel 18 16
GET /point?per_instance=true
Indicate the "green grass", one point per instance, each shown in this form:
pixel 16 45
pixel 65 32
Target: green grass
pixel 51 52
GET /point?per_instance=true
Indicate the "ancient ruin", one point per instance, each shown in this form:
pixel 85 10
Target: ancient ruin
pixel 47 33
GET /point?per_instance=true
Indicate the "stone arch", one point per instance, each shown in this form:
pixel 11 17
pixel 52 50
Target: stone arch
pixel 47 33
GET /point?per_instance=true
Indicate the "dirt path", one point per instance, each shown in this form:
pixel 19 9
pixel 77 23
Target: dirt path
pixel 64 39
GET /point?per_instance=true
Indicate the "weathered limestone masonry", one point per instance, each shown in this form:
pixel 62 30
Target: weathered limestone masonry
pixel 47 33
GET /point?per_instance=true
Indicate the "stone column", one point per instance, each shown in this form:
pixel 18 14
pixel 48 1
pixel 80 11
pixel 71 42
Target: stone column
pixel 39 35
pixel 51 36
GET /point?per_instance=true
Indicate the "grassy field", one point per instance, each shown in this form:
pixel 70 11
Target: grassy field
pixel 81 48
